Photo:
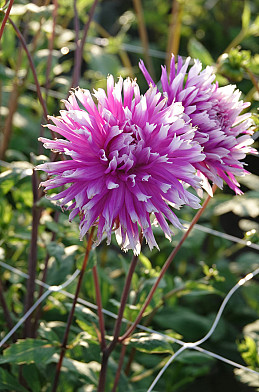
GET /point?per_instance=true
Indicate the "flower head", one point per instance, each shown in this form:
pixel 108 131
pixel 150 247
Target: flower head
pixel 214 111
pixel 130 157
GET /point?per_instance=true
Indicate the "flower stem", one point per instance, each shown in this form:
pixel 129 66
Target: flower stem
pixel 6 312
pixel 32 262
pixel 44 278
pixel 5 18
pixel 174 31
pixel 72 311
pixel 108 350
pixel 143 35
pixel 50 48
pixel 252 78
pixel 164 269
pixel 99 307
pixel 24 45
pixel 80 47
pixel 118 373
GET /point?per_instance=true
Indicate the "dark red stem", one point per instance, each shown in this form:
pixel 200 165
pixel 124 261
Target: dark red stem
pixel 24 45
pixel 32 262
pixel 51 47
pixel 80 48
pixel 72 311
pixel 164 269
pixel 118 373
pixel 6 17
pixel 99 307
pixel 108 350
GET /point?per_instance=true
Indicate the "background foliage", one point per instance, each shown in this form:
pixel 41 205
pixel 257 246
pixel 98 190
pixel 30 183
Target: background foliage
pixel 206 267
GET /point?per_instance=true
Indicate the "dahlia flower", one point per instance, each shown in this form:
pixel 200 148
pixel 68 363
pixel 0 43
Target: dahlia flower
pixel 214 111
pixel 130 156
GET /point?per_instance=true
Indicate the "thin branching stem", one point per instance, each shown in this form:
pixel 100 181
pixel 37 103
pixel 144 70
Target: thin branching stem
pixel 118 372
pixel 44 277
pixel 32 262
pixel 7 314
pixel 51 47
pixel 72 311
pixel 253 78
pixel 6 18
pixel 77 64
pixel 99 307
pixel 24 45
pixel 143 35
pixel 174 31
pixel 80 49
pixel 164 269
pixel 108 350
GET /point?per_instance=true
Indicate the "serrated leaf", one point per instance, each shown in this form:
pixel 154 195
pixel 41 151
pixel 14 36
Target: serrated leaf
pixel 198 51
pixel 9 383
pixel 28 351
pixel 150 343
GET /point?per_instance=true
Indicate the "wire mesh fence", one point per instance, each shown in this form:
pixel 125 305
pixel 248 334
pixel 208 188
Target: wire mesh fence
pixel 184 345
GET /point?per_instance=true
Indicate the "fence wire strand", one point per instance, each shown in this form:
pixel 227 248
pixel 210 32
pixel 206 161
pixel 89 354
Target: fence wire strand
pixel 50 289
pixel 185 345
pixel 190 345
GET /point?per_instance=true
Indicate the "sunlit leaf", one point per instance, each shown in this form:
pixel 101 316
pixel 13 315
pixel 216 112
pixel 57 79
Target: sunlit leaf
pixel 150 343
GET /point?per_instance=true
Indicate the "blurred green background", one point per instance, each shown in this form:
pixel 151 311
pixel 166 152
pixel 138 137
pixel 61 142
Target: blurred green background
pixel 221 33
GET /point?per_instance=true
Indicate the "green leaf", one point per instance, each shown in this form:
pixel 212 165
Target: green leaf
pixel 46 332
pixel 15 173
pixel 246 16
pixel 32 377
pixel 150 343
pixel 84 314
pixel 9 383
pixel 188 323
pixel 91 262
pixel 105 63
pixel 28 351
pixel 87 371
pixel 145 261
pixel 191 357
pixel 198 51
pixel 245 205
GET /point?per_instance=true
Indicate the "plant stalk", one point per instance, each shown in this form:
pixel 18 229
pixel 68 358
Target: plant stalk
pixel 174 31
pixel 24 45
pixel 72 311
pixel 7 314
pixel 32 262
pixel 143 35
pixel 118 373
pixel 99 308
pixel 6 18
pixel 108 350
pixel 165 267
pixel 80 47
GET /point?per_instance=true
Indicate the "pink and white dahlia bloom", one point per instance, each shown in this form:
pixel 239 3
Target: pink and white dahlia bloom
pixel 131 157
pixel 214 111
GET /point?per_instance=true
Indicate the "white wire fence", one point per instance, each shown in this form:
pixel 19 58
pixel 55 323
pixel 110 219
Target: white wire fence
pixel 184 345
